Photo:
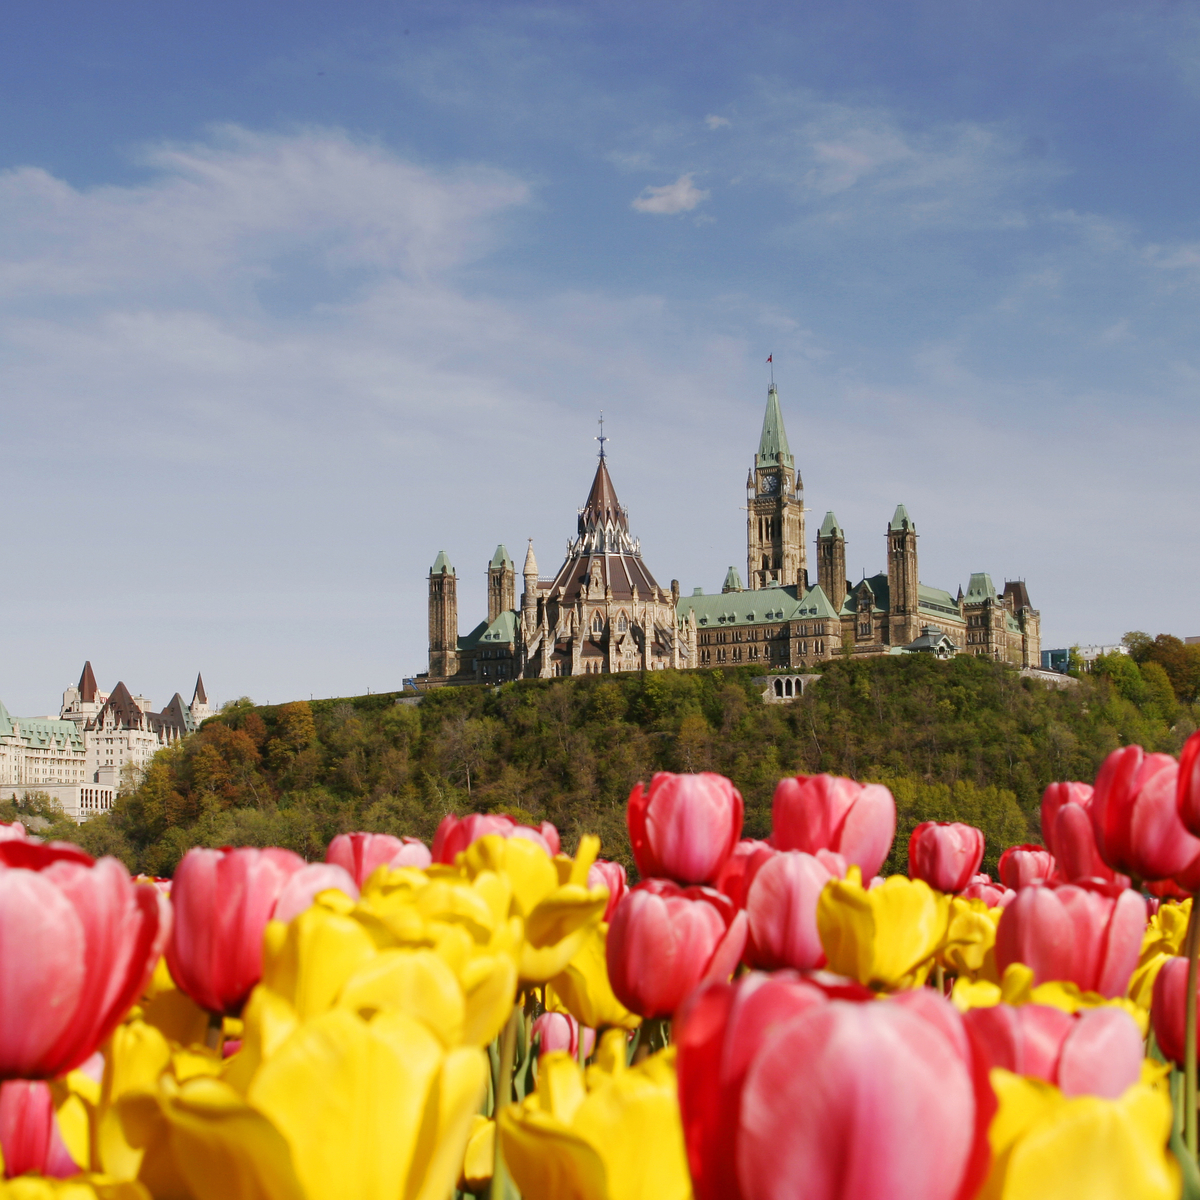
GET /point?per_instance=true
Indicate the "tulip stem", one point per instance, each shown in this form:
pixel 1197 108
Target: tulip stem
pixel 504 1090
pixel 1189 1034
pixel 213 1038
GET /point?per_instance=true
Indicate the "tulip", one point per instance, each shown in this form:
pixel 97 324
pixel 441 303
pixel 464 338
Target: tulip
pixel 559 1031
pixel 1021 866
pixel 884 937
pixel 78 943
pixel 306 884
pixel 223 900
pixel 1089 936
pixel 29 1134
pixel 664 940
pixel 1095 1052
pixel 1135 816
pixel 994 895
pixel 1069 836
pixel 362 853
pixel 864 1102
pixel 717 1032
pixel 583 988
pixel 479 1157
pixel 1188 787
pixel 968 949
pixel 782 911
pixel 945 854
pixel 1167 1008
pixel 1047 1145
pixel 740 868
pixel 684 827
pixel 826 812
pixel 13 831
pixel 611 875
pixel 453 835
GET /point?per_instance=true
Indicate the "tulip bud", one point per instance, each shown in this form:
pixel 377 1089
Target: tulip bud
pixel 29 1133
pixel 362 853
pixel 994 895
pixel 740 867
pixel 1068 834
pixel 684 827
pixel 782 910
pixel 1188 794
pixel 1168 1009
pixel 945 854
pixel 603 873
pixel 664 940
pixel 560 1031
pixel 827 812
pixel 453 835
pixel 1021 866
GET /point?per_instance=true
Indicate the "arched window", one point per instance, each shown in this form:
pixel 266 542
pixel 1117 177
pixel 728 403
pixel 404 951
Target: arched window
pixel 597 623
pixel 779 687
pixel 787 687
pixel 622 624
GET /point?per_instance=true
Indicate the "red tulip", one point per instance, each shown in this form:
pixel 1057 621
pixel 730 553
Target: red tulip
pixel 611 875
pixel 782 908
pixel 1188 794
pixel 878 1101
pixel 12 832
pixel 684 827
pixel 1168 1009
pixel 1068 834
pixel 29 1133
pixel 363 853
pixel 718 1030
pixel 453 836
pixel 1090 936
pixel 559 1031
pixel 994 895
pixel 223 900
pixel 740 867
pixel 307 884
pixel 664 940
pixel 1167 889
pixel 945 854
pixel 826 812
pixel 78 943
pixel 1135 816
pixel 1021 866
pixel 1097 1052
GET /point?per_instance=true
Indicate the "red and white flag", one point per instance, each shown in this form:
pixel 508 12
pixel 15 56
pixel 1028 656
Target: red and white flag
pixel 769 357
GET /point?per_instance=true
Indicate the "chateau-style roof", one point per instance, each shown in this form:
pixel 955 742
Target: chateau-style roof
pixel 500 558
pixel 830 527
pixel 41 732
pixel 87 684
pixel 441 565
pixel 199 694
pixel 901 520
pixel 764 606
pixel 773 440
pixel 733 581
pixel 880 593
pixel 935 600
pixel 602 506
pixel 980 588
pixel 1016 588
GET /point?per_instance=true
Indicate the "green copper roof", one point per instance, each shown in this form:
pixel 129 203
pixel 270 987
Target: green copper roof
pixel 763 607
pixel 502 631
pixel 901 520
pixel 733 581
pixel 774 436
pixel 441 565
pixel 980 588
pixel 815 604
pixel 934 600
pixel 830 527
pixel 881 596
pixel 500 558
pixel 41 732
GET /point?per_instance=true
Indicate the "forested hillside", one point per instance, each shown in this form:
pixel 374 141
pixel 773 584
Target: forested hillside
pixel 964 739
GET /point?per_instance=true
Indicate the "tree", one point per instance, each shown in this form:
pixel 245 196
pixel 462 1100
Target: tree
pixel 1138 644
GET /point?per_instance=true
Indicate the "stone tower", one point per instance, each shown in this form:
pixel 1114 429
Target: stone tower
pixel 904 618
pixel 443 618
pixel 775 542
pixel 831 561
pixel 502 584
pixel 529 597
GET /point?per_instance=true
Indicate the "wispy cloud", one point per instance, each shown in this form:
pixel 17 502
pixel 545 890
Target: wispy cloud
pixel 715 122
pixel 681 196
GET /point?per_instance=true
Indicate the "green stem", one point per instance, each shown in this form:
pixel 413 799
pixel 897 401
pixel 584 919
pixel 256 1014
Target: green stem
pixel 214 1038
pixel 1189 1035
pixel 508 1050
pixel 939 976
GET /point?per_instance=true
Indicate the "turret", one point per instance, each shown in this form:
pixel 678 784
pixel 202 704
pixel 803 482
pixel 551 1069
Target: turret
pixel 502 584
pixel 831 561
pixel 529 595
pixel 443 618
pixel 904 598
pixel 775 541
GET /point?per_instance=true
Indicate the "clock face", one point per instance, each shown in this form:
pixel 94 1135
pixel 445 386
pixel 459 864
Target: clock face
pixel 768 483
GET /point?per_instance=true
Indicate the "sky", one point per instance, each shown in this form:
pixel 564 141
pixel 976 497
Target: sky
pixel 293 296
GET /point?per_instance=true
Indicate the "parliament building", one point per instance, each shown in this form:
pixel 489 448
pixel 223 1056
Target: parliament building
pixel 603 610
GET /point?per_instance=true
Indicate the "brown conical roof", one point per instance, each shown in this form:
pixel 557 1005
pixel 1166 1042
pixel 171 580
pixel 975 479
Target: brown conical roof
pixel 87 684
pixel 602 505
pixel 199 693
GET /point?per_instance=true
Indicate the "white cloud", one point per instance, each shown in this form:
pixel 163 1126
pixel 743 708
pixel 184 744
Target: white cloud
pixel 715 122
pixel 681 196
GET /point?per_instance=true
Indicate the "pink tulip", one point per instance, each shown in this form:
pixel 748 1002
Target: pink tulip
pixel 736 876
pixel 994 895
pixel 1135 817
pixel 826 812
pixel 453 835
pixel 717 1032
pixel 1168 1009
pixel 945 854
pixel 876 1101
pixel 1022 866
pixel 559 1031
pixel 307 884
pixel 1188 787
pixel 611 875
pixel 78 943
pixel 12 832
pixel 782 909
pixel 664 940
pixel 1087 935
pixel 223 900
pixel 684 827
pixel 1068 834
pixel 29 1133
pixel 1097 1052
pixel 361 854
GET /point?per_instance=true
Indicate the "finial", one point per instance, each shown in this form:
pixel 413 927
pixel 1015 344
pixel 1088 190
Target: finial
pixel 601 438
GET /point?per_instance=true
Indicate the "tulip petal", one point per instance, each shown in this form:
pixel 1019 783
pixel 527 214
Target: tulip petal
pixel 1102 1055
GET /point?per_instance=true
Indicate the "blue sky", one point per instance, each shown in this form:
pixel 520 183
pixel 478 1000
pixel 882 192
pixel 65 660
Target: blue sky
pixel 294 296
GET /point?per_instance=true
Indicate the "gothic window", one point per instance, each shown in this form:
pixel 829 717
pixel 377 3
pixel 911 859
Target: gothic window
pixel 622 624
pixel 597 624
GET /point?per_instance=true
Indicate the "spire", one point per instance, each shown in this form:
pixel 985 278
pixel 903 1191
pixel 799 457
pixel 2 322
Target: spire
pixel 441 565
pixel 774 437
pixel 87 684
pixel 830 527
pixel 199 695
pixel 901 520
pixel 733 581
pixel 602 507
pixel 500 558
pixel 531 567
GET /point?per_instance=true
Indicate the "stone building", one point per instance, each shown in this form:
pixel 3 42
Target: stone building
pixel 603 611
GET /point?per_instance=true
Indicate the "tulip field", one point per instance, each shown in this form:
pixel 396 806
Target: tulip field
pixel 752 1020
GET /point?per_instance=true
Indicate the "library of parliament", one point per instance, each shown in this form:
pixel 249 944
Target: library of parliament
pixel 604 611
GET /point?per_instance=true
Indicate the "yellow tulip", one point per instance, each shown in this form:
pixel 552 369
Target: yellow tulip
pixel 614 1134
pixel 968 948
pixel 583 990
pixel 1055 1148
pixel 172 1011
pixel 80 1187
pixel 885 938
pixel 480 1156
pixel 1163 939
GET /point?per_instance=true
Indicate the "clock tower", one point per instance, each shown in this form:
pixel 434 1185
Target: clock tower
pixel 775 542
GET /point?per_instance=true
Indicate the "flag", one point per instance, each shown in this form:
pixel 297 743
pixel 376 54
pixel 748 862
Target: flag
pixel 769 357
